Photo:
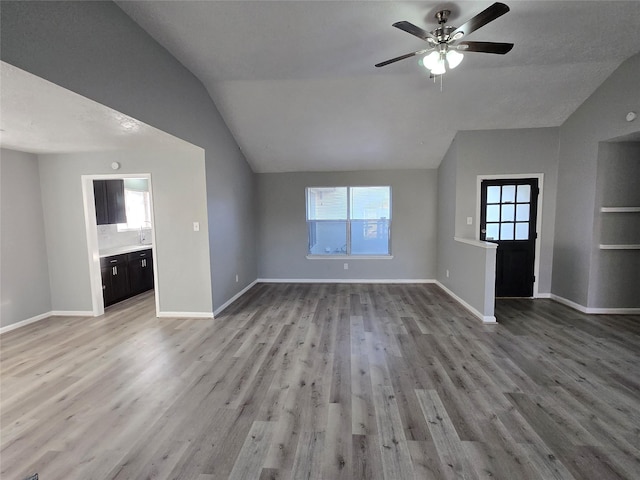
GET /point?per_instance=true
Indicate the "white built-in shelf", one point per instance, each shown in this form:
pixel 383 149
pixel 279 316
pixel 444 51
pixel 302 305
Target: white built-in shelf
pixel 620 209
pixel 620 247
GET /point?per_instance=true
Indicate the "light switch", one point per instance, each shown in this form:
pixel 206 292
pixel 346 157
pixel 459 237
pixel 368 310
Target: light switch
pixel 196 226
pixel 469 220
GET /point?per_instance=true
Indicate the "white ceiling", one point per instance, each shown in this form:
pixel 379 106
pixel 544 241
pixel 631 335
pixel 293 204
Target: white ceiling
pixel 296 84
pixel 38 116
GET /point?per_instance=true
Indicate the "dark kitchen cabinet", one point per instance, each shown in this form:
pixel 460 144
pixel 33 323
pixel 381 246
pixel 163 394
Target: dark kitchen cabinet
pixel 115 278
pixel 109 198
pixel 126 275
pixel 140 271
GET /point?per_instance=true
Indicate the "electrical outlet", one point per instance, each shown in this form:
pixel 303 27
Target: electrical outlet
pixel 346 266
pixel 447 273
pixel 196 226
pixel 469 220
pixel 236 278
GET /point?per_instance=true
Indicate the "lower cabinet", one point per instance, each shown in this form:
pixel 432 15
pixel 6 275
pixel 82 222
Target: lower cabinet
pixel 126 275
pixel 140 271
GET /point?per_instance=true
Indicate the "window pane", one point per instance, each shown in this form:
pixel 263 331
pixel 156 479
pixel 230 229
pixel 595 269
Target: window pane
pixel 138 207
pixel 370 203
pixel 493 213
pixel 493 194
pixel 522 231
pixel 327 237
pixel 508 194
pixel 506 231
pixel 327 203
pixel 492 231
pixel 370 237
pixel 524 193
pixel 522 212
pixel 507 213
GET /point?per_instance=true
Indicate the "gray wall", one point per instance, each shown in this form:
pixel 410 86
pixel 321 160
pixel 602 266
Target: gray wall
pixel 94 49
pixel 447 184
pixel 466 270
pixel 503 152
pixel 282 248
pixel 615 274
pixel 179 198
pixel 601 117
pixel 24 280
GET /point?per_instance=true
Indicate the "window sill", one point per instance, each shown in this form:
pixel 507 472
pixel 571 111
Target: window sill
pixel 350 257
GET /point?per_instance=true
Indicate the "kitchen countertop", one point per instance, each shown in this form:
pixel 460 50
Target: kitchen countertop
pixel 107 252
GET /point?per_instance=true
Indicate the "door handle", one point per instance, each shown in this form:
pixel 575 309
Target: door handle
pixel 484 230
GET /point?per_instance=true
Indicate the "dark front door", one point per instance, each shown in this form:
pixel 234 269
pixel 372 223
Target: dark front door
pixel 508 218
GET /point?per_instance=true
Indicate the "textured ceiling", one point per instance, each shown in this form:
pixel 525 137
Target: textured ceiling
pixel 296 84
pixel 41 117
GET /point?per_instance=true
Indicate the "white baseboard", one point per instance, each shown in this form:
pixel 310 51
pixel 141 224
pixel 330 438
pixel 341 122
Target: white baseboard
pixel 484 318
pixel 42 316
pixel 345 280
pixel 71 313
pixel 543 295
pixel 595 311
pixel 234 298
pixel 185 315
pixel 24 323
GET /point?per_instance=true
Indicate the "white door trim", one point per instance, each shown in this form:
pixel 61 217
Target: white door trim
pixel 515 176
pixel 91 229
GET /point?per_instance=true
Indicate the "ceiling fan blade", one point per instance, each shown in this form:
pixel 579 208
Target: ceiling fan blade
pixel 402 57
pixel 414 30
pixel 489 15
pixel 485 47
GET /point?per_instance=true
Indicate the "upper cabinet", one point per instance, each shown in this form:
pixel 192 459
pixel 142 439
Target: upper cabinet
pixel 109 196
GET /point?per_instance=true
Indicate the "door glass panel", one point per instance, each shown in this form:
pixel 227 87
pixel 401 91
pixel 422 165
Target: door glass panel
pixel 524 193
pixel 507 213
pixel 493 213
pixel 506 231
pixel 522 231
pixel 493 194
pixel 522 213
pixel 509 194
pixel 492 231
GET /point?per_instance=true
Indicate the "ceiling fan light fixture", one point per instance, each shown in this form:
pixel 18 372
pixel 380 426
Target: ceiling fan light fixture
pixel 439 68
pixel 431 61
pixel 454 58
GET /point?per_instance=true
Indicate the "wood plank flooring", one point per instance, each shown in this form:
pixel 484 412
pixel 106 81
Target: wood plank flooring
pixel 321 381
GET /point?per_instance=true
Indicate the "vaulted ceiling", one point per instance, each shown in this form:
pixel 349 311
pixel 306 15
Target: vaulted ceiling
pixel 295 80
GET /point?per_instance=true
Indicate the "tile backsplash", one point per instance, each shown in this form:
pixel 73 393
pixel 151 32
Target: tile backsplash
pixel 109 237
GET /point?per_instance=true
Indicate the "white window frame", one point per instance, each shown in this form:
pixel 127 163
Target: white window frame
pixel 125 227
pixel 348 255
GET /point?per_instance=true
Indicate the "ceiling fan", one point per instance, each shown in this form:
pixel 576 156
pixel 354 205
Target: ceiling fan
pixel 444 47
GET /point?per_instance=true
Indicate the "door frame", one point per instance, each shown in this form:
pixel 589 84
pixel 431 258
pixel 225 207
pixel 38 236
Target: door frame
pixel 516 176
pixel 91 226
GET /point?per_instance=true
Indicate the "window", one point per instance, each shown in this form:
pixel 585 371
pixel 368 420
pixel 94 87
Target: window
pixel 138 208
pixel 349 220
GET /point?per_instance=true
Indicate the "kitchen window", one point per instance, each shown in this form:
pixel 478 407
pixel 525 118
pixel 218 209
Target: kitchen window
pixel 349 221
pixel 138 208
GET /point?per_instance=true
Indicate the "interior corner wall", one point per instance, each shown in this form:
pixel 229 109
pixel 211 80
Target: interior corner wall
pixel 447 181
pixel 600 118
pixel 24 273
pixel 283 229
pixel 96 50
pixel 509 152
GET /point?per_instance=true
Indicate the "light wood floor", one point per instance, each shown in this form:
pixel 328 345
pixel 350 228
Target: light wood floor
pixel 327 382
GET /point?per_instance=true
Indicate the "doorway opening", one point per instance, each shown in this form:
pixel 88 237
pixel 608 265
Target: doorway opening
pixel 130 241
pixel 509 209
